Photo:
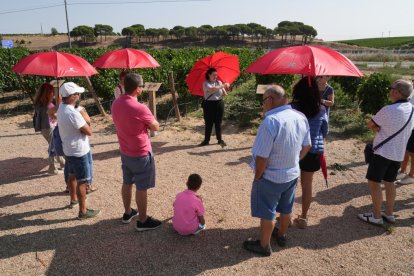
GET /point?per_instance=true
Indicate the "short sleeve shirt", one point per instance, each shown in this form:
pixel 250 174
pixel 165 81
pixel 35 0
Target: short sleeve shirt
pixel 280 138
pixel 391 119
pixel 187 208
pixel 215 96
pixel 132 119
pixel 74 142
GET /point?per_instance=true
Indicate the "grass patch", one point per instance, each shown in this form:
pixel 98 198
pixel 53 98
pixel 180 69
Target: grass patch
pixel 382 42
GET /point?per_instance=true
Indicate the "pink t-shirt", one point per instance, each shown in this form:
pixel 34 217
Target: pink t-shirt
pixel 187 208
pixel 132 120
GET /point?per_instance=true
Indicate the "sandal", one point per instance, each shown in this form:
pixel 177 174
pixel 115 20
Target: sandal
pixel 369 218
pixel 91 190
pixel 301 223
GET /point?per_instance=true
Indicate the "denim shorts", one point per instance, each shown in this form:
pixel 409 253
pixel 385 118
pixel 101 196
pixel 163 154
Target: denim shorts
pixel 90 160
pixel 80 167
pixel 139 170
pixel 268 197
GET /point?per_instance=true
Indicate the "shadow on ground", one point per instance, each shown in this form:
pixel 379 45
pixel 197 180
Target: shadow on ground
pixel 22 169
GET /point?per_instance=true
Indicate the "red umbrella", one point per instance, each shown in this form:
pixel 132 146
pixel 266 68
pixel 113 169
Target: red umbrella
pixel 324 169
pixel 126 58
pixel 54 64
pixel 227 67
pixel 305 60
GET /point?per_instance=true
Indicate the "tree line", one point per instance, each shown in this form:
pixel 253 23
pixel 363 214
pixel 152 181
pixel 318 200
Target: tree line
pixel 286 30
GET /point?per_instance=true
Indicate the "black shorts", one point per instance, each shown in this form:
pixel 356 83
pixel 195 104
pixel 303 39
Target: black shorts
pixel 410 144
pixel 381 168
pixel 310 163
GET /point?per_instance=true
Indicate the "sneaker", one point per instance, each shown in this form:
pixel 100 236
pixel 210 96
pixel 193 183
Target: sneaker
pixel 301 223
pixel 369 218
pixel 54 172
pixel 281 241
pixel 204 143
pixel 201 227
pixel 389 219
pixel 90 213
pixel 406 180
pixel 126 218
pixel 222 143
pixel 400 175
pixel 73 204
pixel 149 224
pixel 256 247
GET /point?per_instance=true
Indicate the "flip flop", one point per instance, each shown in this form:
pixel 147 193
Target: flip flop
pixel 88 191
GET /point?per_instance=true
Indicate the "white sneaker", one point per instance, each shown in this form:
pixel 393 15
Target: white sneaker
pixel 406 180
pixel 389 219
pixel 369 218
pixel 400 175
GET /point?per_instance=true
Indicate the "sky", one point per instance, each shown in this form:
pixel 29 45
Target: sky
pixel 333 19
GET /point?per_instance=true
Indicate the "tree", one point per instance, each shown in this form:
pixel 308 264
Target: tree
pixel 152 33
pixel 85 32
pixel 102 30
pixel 177 31
pixel 54 31
pixel 191 32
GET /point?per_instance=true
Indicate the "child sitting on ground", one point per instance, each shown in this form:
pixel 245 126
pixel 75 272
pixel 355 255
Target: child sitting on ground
pixel 188 216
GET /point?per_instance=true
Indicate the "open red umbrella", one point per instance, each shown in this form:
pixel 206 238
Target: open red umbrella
pixel 227 67
pixel 54 64
pixel 126 58
pixel 305 60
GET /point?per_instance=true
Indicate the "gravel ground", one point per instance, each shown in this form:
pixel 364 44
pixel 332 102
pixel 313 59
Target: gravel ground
pixel 40 235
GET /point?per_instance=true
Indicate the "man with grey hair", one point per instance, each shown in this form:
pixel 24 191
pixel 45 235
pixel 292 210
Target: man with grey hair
pixel 282 140
pixel 396 118
pixel 132 120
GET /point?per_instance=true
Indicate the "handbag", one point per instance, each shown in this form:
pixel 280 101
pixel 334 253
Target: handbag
pixel 370 149
pixel 203 103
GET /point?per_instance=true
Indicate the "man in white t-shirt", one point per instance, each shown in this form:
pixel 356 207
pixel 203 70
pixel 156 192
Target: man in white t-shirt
pixel 74 132
pixel 387 159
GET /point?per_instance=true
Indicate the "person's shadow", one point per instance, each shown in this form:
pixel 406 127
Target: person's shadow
pixel 109 248
pixel 21 169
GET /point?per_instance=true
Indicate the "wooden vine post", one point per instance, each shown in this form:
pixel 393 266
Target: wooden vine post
pixel 152 88
pixel 174 97
pixel 95 97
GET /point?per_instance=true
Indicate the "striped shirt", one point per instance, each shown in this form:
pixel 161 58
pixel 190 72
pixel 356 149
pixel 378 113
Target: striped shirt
pixel 280 138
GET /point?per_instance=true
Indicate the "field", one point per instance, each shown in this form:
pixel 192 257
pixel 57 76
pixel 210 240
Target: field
pixel 385 42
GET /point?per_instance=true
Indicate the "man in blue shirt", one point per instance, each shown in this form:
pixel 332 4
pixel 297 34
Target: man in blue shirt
pixel 282 140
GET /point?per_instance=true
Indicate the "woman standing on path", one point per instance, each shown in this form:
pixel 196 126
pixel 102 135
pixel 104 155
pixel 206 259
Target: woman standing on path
pixel 213 106
pixel 46 121
pixel 307 100
pixel 326 92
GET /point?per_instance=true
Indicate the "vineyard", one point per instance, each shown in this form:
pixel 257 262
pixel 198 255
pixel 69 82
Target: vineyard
pixel 384 42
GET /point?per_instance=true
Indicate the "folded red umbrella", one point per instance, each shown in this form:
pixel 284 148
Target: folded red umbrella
pixel 126 58
pixel 324 168
pixel 54 64
pixel 227 67
pixel 305 60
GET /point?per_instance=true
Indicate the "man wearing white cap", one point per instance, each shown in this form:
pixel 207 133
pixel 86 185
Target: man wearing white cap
pixel 74 132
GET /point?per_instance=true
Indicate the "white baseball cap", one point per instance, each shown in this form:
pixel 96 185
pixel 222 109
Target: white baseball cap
pixel 70 88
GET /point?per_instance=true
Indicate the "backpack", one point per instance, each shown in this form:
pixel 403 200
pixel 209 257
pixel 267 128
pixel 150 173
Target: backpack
pixel 40 119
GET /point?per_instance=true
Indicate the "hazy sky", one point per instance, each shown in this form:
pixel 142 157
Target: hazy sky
pixel 333 19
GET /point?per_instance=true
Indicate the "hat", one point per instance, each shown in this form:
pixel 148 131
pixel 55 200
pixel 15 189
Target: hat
pixel 404 87
pixel 70 88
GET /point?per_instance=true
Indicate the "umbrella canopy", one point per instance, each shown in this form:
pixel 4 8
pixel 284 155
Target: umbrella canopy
pixel 126 58
pixel 324 168
pixel 305 60
pixel 227 67
pixel 54 64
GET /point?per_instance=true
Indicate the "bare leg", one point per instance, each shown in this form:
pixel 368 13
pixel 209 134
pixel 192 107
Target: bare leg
pixel 72 187
pixel 306 179
pixel 411 155
pixel 127 197
pixel 266 229
pixel 376 195
pixel 81 192
pixel 141 199
pixel 405 163
pixel 284 224
pixel 390 197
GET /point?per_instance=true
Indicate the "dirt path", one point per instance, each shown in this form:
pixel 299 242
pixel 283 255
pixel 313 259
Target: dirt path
pixel 39 234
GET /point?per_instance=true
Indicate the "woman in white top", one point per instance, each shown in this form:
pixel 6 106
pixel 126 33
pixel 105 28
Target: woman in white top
pixel 213 106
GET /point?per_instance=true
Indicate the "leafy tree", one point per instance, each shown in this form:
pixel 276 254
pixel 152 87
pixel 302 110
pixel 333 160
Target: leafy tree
pixel 54 31
pixel 85 32
pixel 178 31
pixel 102 30
pixel 191 32
pixel 373 93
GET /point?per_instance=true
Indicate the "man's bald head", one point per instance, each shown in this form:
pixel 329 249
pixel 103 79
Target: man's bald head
pixel 275 91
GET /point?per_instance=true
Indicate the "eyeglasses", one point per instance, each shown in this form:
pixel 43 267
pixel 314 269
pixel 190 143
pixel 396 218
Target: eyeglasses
pixel 266 98
pixel 141 86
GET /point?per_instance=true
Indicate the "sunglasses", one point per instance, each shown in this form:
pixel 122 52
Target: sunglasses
pixel 266 98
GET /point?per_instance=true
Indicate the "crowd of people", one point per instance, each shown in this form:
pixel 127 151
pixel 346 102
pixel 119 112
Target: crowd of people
pixel 289 143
